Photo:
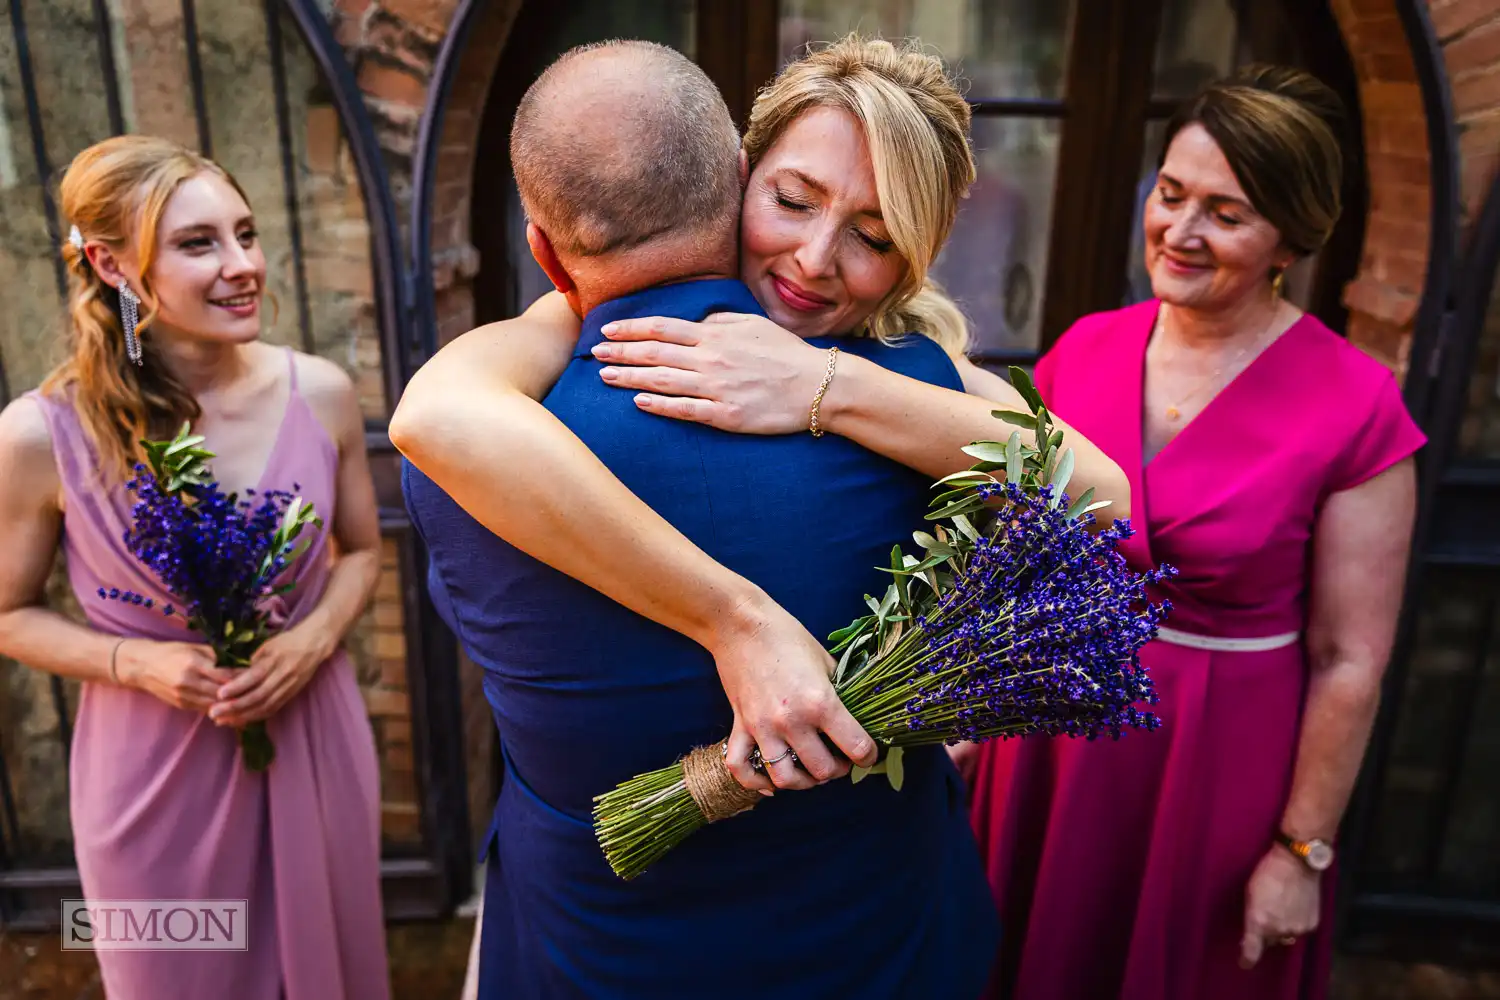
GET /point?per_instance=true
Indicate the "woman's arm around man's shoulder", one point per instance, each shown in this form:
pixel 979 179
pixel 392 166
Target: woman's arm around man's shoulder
pixel 471 422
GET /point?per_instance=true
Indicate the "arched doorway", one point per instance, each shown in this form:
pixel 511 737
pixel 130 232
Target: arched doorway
pixel 1064 150
pixel 1072 115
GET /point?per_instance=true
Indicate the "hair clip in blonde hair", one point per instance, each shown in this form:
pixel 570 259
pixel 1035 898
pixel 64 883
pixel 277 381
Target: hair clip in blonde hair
pixel 76 238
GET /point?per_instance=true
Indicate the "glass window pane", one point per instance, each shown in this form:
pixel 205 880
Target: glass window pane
pixel 72 105
pixel 70 90
pixel 995 263
pixel 1004 48
pixel 1196 44
pixel 1137 281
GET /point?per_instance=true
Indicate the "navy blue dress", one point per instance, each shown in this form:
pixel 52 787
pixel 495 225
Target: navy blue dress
pixel 841 891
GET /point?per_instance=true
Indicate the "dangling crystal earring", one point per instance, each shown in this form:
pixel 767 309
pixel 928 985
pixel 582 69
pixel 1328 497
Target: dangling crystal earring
pixel 129 317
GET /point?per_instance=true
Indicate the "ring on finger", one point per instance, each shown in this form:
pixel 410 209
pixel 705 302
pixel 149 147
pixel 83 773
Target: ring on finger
pixel 760 763
pixel 1287 940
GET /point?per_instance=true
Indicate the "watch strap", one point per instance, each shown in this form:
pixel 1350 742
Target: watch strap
pixel 1297 847
pixel 1304 849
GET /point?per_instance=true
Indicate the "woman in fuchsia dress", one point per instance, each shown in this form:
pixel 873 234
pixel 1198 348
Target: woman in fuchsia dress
pixel 1271 464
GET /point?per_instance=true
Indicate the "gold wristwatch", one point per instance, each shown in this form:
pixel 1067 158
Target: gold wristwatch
pixel 1316 854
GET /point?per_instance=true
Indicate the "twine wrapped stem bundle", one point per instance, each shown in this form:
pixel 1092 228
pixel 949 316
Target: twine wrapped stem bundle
pixel 666 806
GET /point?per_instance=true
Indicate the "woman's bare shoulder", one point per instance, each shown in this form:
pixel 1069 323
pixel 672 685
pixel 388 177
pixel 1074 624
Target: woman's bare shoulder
pixel 24 432
pixel 26 448
pixel 322 378
pixel 330 393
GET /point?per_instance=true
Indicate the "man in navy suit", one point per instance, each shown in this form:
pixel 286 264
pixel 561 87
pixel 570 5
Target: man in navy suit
pixel 629 168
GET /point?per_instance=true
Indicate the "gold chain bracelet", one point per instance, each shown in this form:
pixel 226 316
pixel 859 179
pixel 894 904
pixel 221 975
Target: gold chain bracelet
pixel 812 423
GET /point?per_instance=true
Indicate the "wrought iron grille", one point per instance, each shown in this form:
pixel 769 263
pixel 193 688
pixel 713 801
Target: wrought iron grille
pixel 266 90
pixel 1423 839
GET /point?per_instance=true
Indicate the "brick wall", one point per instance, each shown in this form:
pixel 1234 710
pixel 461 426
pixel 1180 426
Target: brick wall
pixel 1384 295
pixel 1470 35
pixel 393 45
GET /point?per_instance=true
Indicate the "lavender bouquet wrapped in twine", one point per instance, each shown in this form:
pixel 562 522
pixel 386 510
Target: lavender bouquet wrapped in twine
pixel 1014 620
pixel 218 556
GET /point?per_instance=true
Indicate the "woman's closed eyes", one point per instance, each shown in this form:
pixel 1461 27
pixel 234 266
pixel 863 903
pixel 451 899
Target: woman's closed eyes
pixel 1169 199
pixel 791 204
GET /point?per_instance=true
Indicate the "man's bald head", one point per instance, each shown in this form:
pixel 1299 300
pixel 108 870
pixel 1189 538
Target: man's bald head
pixel 620 143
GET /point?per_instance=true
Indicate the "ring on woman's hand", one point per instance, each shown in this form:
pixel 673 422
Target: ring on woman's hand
pixel 1287 940
pixel 760 763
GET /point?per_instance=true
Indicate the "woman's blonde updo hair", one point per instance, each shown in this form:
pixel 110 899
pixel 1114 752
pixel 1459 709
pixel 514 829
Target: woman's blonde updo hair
pixel 1282 132
pixel 115 192
pixel 917 125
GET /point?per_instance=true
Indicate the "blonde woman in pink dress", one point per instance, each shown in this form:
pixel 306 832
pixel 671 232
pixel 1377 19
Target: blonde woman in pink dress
pixel 1270 462
pixel 163 806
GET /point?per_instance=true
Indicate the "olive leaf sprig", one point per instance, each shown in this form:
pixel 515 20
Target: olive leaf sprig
pixel 968 512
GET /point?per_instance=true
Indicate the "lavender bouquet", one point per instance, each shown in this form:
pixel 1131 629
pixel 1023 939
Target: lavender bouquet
pixel 219 557
pixel 1015 619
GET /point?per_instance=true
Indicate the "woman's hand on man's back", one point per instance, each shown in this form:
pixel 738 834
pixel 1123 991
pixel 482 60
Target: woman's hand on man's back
pixel 734 371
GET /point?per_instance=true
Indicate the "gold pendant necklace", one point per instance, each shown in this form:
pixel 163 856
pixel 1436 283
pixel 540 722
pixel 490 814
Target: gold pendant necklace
pixel 1174 410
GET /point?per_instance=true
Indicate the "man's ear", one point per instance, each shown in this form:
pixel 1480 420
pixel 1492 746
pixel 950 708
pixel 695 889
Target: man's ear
pixel 744 169
pixel 546 257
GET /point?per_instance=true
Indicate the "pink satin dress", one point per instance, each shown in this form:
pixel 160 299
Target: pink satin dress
pixel 1120 867
pixel 162 805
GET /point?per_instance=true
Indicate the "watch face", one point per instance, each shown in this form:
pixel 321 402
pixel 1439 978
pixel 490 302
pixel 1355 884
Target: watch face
pixel 1319 855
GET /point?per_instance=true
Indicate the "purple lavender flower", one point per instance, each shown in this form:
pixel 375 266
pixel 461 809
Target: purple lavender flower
pixel 1019 619
pixel 219 557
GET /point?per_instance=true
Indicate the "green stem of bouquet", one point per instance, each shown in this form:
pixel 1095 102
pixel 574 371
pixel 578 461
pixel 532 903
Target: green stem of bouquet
pixel 255 742
pixel 257 747
pixel 645 817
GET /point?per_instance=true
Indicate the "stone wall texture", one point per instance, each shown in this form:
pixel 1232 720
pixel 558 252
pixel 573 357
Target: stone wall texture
pixel 323 195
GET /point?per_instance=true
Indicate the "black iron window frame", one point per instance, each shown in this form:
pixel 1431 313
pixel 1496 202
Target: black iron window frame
pixel 1417 920
pixel 431 880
